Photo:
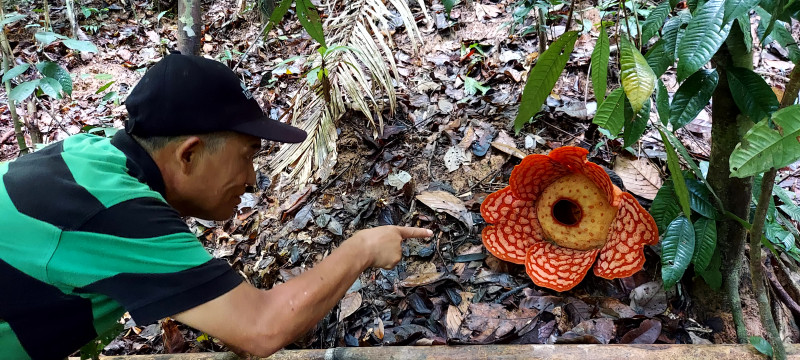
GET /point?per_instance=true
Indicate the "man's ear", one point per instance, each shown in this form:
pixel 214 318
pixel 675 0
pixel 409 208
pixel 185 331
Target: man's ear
pixel 187 153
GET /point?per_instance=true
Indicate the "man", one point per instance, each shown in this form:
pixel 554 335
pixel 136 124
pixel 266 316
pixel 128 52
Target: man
pixel 91 227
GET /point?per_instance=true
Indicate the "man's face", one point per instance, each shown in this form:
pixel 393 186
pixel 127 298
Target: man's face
pixel 220 177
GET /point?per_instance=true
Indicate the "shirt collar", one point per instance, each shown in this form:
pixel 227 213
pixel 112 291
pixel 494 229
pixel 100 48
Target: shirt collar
pixel 140 164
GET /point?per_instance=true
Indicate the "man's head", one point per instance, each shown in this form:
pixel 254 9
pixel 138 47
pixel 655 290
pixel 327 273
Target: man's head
pixel 202 127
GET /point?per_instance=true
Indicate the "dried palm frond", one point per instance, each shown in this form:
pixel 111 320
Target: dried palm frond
pixel 359 62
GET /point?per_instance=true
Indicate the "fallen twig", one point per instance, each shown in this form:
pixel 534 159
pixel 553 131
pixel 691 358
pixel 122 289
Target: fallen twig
pixel 782 294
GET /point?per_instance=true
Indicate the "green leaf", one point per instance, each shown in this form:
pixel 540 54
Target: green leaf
pixel 50 87
pixel 448 6
pixel 104 87
pixel 792 210
pixel 543 77
pixel 751 93
pixel 712 275
pixel 11 18
pixel 635 124
pixel 677 248
pixel 681 190
pixel 80 45
pixel 309 18
pixel 15 71
pixel 744 26
pixel 673 31
pixel 53 70
pixel 472 86
pixel 47 37
pixel 705 231
pixel 784 37
pixel 763 346
pixel 662 102
pixel 735 8
pixel 611 113
pixel 700 199
pixel 665 206
pixel 763 148
pixel 599 70
pixel 704 35
pixel 692 96
pixel 638 80
pixel 676 143
pixel 658 58
pixel 277 15
pixel 22 91
pixel 654 21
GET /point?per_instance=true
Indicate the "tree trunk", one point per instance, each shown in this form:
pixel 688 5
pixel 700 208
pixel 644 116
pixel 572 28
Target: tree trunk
pixel 189 27
pixel 728 126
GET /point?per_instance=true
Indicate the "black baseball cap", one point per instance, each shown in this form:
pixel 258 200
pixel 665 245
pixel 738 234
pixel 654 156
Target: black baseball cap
pixel 187 94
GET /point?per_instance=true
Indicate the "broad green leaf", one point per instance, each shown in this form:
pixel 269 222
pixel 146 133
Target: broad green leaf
pixel 763 346
pixel 700 199
pixel 47 37
pixel 704 35
pixel 775 233
pixel 53 70
pixel 15 71
pixel 677 177
pixel 309 18
pixel 611 113
pixel 784 37
pixel 635 124
pixel 472 86
pixel 782 194
pixel 665 206
pixel 744 25
pixel 11 18
pixel 673 31
pixel 705 232
pixel 50 87
pixel 638 80
pixel 792 210
pixel 104 87
pixel 676 143
pixel 448 5
pixel 543 77
pixel 712 275
pixel 662 102
pixel 277 15
pixel 677 248
pixel 658 58
pixel 654 21
pixel 735 8
pixel 751 93
pixel 22 91
pixel 600 56
pixel 80 45
pixel 763 148
pixel 692 96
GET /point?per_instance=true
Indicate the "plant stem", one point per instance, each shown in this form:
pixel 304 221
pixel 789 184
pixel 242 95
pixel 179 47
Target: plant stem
pixel 5 49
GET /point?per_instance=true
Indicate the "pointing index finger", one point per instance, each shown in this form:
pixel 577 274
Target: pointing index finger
pixel 414 232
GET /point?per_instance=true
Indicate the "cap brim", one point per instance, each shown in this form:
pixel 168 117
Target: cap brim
pixel 268 129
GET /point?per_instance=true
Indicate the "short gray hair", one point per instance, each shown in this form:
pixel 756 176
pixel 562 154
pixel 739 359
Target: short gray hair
pixel 213 141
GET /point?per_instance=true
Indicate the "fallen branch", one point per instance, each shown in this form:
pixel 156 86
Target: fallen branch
pixel 6 136
pixel 782 294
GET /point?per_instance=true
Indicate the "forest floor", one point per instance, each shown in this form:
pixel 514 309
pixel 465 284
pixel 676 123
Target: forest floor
pixel 448 289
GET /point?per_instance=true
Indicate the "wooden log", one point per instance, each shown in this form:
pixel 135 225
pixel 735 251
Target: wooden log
pixel 503 352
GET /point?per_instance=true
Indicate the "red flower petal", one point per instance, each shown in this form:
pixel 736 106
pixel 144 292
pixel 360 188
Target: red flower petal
pixel 570 156
pixel 557 268
pixel 633 228
pixel 517 227
pixel 533 174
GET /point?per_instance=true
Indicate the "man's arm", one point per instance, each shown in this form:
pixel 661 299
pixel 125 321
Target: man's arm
pixel 262 322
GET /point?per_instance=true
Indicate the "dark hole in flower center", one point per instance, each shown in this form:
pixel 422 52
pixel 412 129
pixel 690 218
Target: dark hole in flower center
pixel 567 212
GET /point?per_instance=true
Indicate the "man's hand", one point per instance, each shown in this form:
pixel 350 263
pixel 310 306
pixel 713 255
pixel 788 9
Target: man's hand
pixel 382 244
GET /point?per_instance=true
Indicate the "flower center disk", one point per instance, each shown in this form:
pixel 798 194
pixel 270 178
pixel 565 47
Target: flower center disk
pixel 574 213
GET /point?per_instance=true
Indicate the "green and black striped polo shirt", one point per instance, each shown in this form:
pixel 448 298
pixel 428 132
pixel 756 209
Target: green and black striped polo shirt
pixel 85 235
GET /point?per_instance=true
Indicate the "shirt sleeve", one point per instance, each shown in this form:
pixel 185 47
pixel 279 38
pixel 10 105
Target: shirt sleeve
pixel 141 254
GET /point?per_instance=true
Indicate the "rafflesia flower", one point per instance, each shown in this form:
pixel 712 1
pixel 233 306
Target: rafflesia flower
pixel 559 213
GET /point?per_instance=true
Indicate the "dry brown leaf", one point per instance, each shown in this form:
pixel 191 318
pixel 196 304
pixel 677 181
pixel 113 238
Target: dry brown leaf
pixel 486 11
pixel 379 328
pixel 421 279
pixel 446 202
pixel 349 304
pixel 639 176
pixel 508 149
pixel 453 321
pixel 649 299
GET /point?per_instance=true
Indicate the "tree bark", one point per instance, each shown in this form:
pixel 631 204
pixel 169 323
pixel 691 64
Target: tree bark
pixel 728 126
pixel 189 21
